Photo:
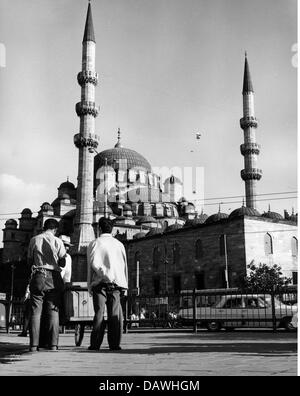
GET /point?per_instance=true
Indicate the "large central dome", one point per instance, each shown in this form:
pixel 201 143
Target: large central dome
pixel 121 157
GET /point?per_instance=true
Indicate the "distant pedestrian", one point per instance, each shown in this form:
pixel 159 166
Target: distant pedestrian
pixel 26 313
pixel 107 279
pixel 46 256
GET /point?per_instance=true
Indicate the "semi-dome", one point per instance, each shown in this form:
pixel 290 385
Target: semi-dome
pixel 173 227
pixel 11 223
pixel 244 211
pixel 216 217
pixel 154 231
pixel 272 215
pixel 201 218
pixel 139 235
pixel 146 219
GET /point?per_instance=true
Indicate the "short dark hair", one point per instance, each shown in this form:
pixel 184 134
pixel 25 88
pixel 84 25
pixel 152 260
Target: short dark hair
pixel 51 224
pixel 105 225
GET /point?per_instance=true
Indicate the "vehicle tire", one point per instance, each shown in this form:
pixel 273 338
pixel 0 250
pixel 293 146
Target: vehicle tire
pixel 213 326
pixel 79 333
pixel 287 324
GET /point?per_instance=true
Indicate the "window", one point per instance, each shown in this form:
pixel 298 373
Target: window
pixel 13 235
pixel 156 258
pixel 176 255
pixel 177 284
pixel 156 285
pixel 199 249
pixel 268 244
pixel 294 247
pixel 295 278
pixel 200 280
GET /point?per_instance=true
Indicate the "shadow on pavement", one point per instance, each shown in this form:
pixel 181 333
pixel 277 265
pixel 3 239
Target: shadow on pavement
pixel 267 349
pixel 10 352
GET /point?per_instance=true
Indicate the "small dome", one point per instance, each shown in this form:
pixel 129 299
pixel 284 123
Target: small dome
pixel 127 207
pixel 172 180
pixel 216 217
pixel 67 186
pixel 26 213
pixel 201 219
pixel 272 215
pixel 244 211
pixel 139 235
pixel 189 208
pixel 65 196
pixel 154 231
pixel 46 206
pixel 11 223
pixel 146 219
pixel 173 227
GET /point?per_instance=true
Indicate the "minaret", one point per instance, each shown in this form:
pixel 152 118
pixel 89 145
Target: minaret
pixel 86 141
pixel 250 149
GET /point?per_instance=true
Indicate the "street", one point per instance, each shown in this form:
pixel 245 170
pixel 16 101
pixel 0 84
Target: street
pixel 167 353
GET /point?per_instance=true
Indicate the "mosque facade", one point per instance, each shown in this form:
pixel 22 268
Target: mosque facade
pixel 170 246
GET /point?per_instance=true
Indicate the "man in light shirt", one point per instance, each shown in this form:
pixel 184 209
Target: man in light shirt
pixel 46 256
pixel 107 277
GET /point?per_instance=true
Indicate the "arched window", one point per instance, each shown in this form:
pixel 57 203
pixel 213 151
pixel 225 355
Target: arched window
pixel 176 255
pixel 294 247
pixel 156 258
pixel 268 244
pixel 199 249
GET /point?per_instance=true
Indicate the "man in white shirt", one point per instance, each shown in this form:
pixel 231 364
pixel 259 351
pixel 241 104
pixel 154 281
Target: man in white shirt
pixel 107 277
pixel 46 256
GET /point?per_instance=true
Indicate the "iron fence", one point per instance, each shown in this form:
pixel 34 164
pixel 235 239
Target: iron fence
pixel 215 309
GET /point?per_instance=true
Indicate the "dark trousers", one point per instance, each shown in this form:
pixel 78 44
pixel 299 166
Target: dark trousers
pixel 26 317
pixel 45 301
pixel 111 298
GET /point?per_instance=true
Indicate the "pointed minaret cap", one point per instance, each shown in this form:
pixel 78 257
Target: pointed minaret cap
pixel 247 86
pixel 89 27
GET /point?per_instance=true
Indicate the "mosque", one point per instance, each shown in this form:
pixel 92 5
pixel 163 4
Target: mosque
pixel 170 245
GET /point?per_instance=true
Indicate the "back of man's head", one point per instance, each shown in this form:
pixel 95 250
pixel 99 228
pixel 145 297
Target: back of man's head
pixel 105 225
pixel 50 224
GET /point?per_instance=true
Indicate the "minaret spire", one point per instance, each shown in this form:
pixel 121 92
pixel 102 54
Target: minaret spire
pixel 89 34
pixel 86 141
pixel 247 86
pixel 250 149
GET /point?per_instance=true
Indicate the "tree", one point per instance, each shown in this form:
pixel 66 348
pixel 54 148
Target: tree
pixel 265 278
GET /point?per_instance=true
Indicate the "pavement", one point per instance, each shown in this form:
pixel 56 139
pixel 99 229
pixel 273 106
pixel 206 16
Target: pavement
pixel 158 353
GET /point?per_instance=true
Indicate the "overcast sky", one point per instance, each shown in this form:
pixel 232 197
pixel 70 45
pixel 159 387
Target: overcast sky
pixel 168 69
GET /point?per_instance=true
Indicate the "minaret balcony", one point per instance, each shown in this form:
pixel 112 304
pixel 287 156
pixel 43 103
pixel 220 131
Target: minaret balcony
pixel 90 141
pixel 251 174
pixel 87 76
pixel 87 108
pixel 248 122
pixel 250 148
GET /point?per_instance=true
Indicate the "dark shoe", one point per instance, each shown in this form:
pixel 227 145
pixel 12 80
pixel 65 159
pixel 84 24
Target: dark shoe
pixel 33 349
pixel 53 348
pixel 118 348
pixel 22 335
pixel 91 348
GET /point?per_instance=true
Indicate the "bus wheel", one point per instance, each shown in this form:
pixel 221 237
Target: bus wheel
pixel 213 326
